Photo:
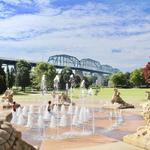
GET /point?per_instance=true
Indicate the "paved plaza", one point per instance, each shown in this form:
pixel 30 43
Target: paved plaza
pixel 104 137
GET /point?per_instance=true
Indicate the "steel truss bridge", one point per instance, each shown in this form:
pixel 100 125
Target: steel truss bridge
pixel 61 61
pixel 88 65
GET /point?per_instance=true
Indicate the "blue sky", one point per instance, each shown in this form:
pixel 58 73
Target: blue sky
pixel 114 32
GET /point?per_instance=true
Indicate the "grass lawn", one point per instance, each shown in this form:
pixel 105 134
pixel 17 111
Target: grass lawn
pixel 130 95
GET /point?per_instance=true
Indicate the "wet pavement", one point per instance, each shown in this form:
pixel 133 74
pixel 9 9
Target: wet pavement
pixel 107 130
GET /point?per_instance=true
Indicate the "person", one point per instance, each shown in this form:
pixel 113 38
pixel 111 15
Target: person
pixel 49 107
pixel 14 106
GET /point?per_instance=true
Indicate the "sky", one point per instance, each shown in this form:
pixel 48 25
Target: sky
pixel 113 32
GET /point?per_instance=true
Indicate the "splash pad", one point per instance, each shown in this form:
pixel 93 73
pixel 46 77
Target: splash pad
pixel 64 122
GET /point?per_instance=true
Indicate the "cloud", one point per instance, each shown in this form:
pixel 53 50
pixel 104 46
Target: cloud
pixel 17 2
pixel 89 29
pixel 116 50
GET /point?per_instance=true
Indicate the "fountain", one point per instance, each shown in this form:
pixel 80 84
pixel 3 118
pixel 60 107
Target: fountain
pixel 81 119
pixel 55 119
pixel 70 109
pixel 91 93
pixel 81 115
pixel 76 112
pixel 55 108
pixel 63 121
pixel 30 122
pixel 40 122
pixel 31 109
pixel 19 111
pixel 63 110
pixel 75 116
pixel 40 111
pixel 110 115
pixel 41 127
pixel 47 115
pixel 21 120
pixel 120 117
pixel 56 83
pixel 25 110
pixel 43 85
pixel 75 120
pixel 14 117
pixel 53 122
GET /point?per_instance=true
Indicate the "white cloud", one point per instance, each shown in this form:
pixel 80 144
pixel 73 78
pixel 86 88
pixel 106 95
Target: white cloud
pixel 90 30
pixel 17 2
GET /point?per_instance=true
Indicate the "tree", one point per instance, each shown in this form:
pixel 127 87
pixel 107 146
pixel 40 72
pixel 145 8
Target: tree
pixel 119 79
pixel 7 77
pixel 128 82
pixel 10 77
pixel 2 80
pixel 77 80
pixel 137 78
pixel 65 77
pixel 88 81
pixel 23 74
pixel 106 80
pixel 43 69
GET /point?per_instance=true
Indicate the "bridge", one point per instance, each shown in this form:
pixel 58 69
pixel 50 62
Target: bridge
pixel 12 62
pixel 61 61
pixel 88 65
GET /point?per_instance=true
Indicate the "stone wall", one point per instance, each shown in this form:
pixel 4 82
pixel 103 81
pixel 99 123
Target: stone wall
pixel 10 139
pixel 142 137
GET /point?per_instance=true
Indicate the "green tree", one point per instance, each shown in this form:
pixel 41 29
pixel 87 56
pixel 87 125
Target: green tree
pixel 128 82
pixel 119 79
pixel 65 77
pixel 12 78
pixel 77 80
pixel 2 80
pixel 88 81
pixel 106 80
pixel 43 69
pixel 23 74
pixel 7 77
pixel 137 78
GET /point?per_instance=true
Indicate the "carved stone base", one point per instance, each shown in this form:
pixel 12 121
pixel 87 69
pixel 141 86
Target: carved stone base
pixel 142 137
pixel 126 106
pixel 137 141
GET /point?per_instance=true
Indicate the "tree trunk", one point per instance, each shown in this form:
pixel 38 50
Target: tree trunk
pixel 23 89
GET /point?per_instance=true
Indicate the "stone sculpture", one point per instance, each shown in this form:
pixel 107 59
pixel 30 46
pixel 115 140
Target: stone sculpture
pixel 148 95
pixel 8 96
pixel 142 137
pixel 117 99
pixel 10 139
pixel 7 99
